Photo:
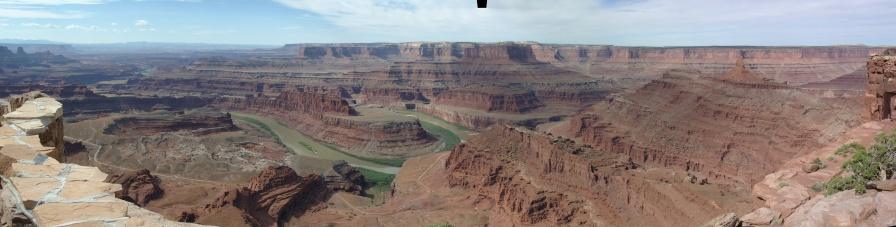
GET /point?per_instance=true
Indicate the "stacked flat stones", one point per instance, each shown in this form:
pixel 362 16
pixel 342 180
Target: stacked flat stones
pixel 38 187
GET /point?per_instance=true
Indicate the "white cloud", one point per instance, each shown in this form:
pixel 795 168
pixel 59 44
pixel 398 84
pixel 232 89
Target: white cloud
pixel 38 14
pixel 82 28
pixel 141 23
pixel 50 2
pixel 39 25
pixel 37 9
pixel 636 22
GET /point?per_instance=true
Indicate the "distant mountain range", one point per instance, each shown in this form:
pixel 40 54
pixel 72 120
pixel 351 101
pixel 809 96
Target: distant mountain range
pixel 128 47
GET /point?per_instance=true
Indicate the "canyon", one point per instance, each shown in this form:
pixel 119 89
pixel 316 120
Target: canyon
pixel 467 134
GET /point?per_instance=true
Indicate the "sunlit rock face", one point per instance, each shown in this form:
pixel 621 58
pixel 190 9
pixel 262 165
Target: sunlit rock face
pixel 881 89
pixel 38 189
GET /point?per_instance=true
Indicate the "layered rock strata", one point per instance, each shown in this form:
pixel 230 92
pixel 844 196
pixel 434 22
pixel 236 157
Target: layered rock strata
pixel 199 122
pixel 45 192
pixel 35 114
pixel 269 199
pixel 138 187
pixel 732 130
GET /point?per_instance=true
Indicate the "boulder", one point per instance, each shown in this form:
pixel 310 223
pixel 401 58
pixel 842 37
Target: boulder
pixel 761 216
pixel 883 185
pixel 138 187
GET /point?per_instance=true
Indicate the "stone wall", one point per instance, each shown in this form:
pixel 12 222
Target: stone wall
pixel 881 85
pixel 39 190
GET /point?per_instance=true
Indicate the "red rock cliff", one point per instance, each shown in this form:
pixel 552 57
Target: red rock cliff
pixel 270 198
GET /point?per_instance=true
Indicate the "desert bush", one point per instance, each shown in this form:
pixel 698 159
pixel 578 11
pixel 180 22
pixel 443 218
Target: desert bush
pixel 866 164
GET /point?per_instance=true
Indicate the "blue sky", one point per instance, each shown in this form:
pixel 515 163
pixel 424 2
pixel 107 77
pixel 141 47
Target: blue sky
pixel 618 22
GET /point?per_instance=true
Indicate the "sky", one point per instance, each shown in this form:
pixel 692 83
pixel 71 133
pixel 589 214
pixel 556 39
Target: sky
pixel 614 22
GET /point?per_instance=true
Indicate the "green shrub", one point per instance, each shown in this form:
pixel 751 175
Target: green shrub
pixel 849 148
pixel 876 162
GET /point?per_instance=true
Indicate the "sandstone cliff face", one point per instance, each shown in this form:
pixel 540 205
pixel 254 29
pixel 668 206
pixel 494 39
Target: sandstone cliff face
pixel 880 89
pixel 462 119
pixel 293 102
pixel 199 122
pixel 534 179
pixel 36 114
pixel 270 198
pixel 726 130
pixel 530 177
pixel 138 187
pixel 815 63
pixel 490 98
pixel 37 189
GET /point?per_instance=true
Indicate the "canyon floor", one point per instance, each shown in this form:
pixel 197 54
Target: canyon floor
pixel 470 134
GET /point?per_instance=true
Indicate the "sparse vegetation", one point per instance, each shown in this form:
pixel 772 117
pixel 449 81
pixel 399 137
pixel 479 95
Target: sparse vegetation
pixel 440 225
pixel 849 149
pixel 876 162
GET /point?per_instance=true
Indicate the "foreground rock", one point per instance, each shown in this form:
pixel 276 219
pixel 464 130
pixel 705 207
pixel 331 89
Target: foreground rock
pixel 269 199
pixel 36 114
pixel 38 189
pixel 846 208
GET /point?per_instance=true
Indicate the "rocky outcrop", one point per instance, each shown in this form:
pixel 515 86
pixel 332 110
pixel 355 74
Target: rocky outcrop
pixel 527 178
pixel 881 88
pixel 293 102
pixel 728 131
pixel 35 114
pixel 531 177
pixel 138 187
pixel 199 122
pixel 38 189
pixel 846 208
pixel 344 177
pixel 490 98
pixel 270 198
